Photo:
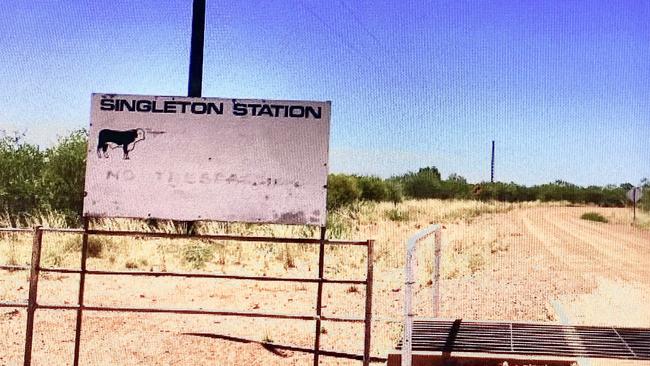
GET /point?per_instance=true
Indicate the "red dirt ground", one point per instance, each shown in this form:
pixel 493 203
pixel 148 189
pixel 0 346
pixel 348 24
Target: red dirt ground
pixel 599 273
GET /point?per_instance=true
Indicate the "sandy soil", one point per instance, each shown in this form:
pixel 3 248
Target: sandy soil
pixel 600 273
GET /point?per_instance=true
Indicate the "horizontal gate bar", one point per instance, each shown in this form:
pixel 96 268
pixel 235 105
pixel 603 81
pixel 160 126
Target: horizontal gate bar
pixel 62 230
pixel 202 275
pixel 226 237
pixel 12 304
pixel 15 268
pixel 15 230
pixel 199 312
pixel 193 236
pixel 60 270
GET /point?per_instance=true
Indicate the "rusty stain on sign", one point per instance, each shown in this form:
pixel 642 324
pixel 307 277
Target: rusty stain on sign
pixel 289 217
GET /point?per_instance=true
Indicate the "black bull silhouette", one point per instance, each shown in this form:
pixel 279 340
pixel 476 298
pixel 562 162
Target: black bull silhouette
pixel 127 139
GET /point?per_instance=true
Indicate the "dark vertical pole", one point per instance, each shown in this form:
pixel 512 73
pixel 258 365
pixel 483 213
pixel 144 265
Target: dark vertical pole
pixel 368 320
pixel 492 165
pixel 196 50
pixel 436 273
pixel 82 283
pixel 195 80
pixel 634 200
pixel 319 297
pixel 33 292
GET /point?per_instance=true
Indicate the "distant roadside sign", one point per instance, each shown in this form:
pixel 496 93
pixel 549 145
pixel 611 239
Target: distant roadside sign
pixel 236 160
pixel 635 194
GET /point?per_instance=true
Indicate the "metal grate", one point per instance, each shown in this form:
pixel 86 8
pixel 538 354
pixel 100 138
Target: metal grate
pixel 530 339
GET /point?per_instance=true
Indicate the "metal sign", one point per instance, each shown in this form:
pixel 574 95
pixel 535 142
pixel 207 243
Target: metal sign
pixel 635 194
pixel 182 158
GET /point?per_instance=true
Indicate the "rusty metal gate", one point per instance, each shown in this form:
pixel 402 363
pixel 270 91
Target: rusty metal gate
pixel 35 269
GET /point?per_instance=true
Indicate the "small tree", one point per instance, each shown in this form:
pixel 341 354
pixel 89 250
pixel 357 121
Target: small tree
pixel 394 192
pixel 63 176
pixel 372 188
pixel 645 199
pixel 423 184
pixel 341 190
pixel 21 165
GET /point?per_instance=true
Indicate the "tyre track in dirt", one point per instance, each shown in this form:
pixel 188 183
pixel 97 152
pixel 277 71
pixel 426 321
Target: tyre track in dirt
pixel 588 250
pixel 550 243
pixel 637 238
pixel 620 238
pixel 601 256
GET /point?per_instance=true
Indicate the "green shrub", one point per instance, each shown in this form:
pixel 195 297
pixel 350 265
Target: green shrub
pixel 338 226
pixel 476 263
pixel 197 255
pixel 644 203
pixel 63 175
pixel 455 187
pixel 397 215
pixel 423 184
pixel 505 192
pixel 267 337
pixel 20 176
pixel 352 289
pixel 341 190
pixel 32 180
pixel 394 192
pixel 593 216
pixel 287 257
pixel 55 259
pixel 71 243
pixel 97 245
pixel 608 196
pixel 372 189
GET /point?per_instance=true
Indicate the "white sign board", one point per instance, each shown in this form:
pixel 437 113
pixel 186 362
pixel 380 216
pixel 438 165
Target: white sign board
pixel 635 194
pixel 182 158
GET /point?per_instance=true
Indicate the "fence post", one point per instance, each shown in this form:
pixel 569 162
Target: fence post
pixel 368 319
pixel 82 282
pixel 409 281
pixel 319 296
pixel 33 292
pixel 408 310
pixel 436 274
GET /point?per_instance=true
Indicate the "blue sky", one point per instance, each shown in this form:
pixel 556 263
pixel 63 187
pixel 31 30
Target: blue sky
pixel 562 86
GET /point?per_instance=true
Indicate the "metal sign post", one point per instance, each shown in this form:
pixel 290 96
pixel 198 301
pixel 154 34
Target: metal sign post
pixel 635 195
pixel 195 82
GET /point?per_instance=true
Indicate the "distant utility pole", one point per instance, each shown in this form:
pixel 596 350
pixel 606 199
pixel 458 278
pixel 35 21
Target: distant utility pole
pixel 492 171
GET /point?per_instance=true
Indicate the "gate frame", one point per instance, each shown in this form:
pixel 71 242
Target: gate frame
pixel 35 269
pixel 409 274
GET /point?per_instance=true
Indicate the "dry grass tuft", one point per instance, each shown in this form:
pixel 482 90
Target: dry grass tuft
pixel 388 224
